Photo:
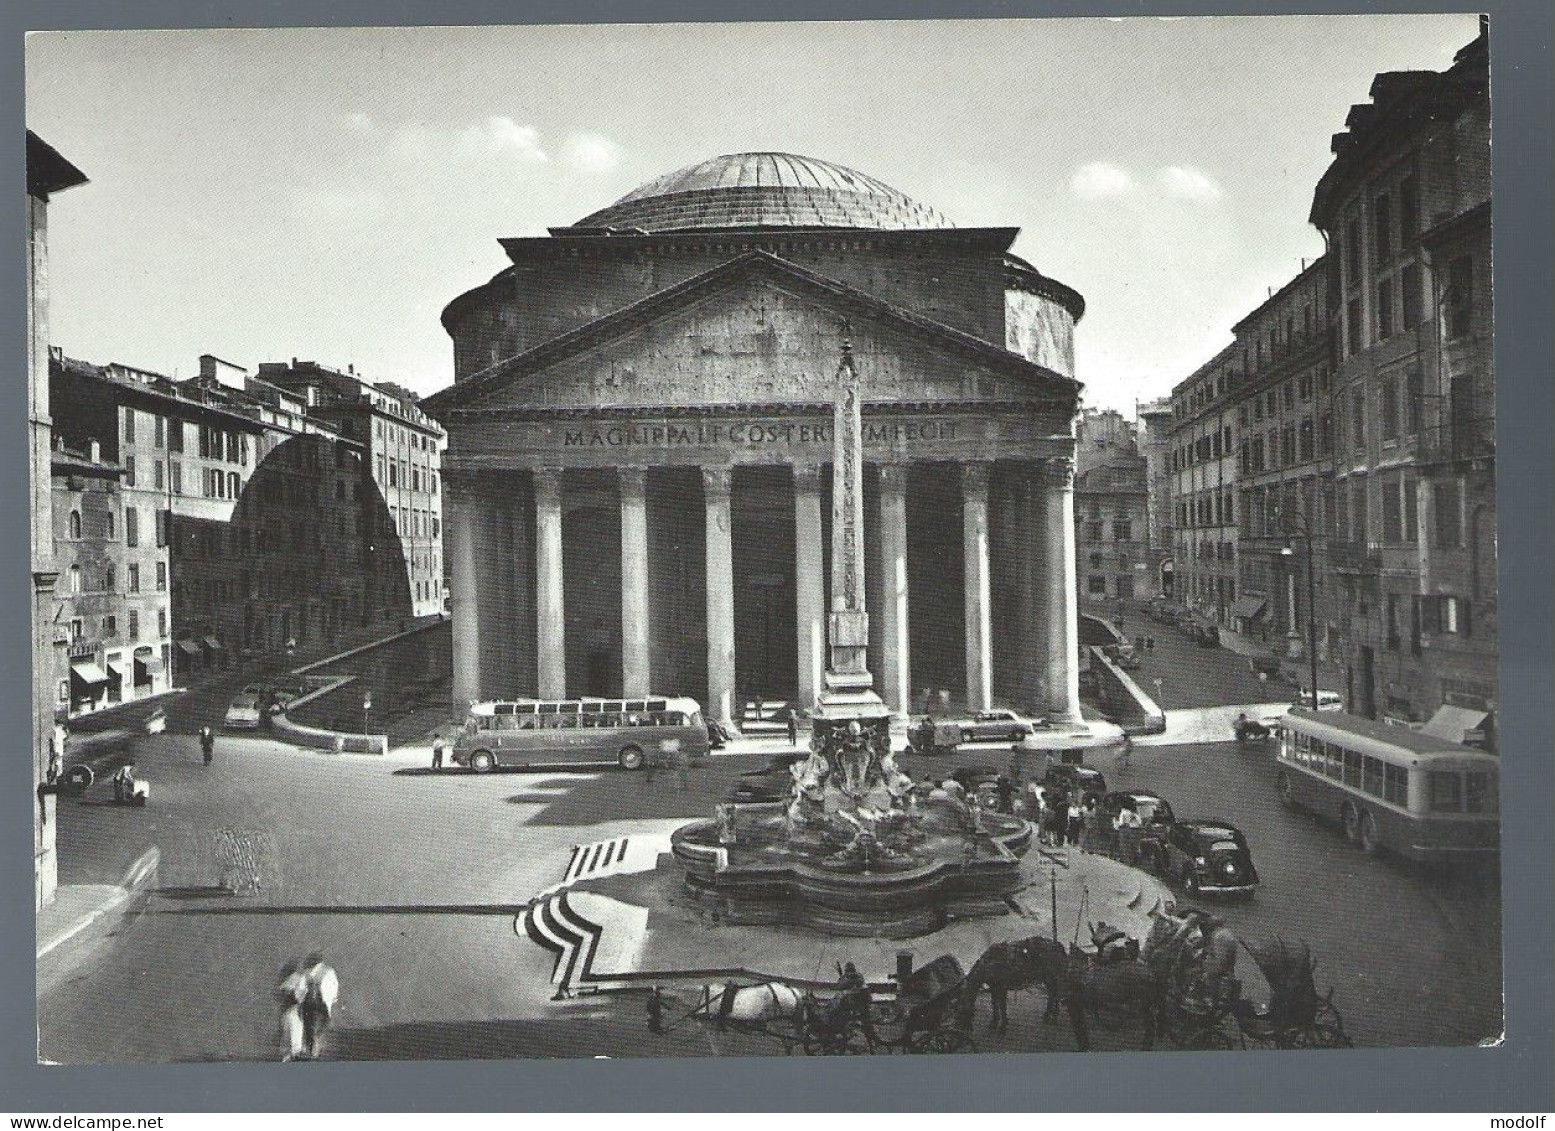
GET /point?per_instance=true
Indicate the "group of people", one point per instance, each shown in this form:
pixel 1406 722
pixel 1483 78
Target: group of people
pixel 308 992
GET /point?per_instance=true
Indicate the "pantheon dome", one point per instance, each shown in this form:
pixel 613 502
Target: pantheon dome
pixel 765 190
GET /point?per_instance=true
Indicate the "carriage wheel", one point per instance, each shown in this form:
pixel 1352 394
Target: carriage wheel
pixel 943 1041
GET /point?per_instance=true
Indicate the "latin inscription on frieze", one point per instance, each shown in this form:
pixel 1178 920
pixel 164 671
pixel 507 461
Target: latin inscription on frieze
pixel 750 434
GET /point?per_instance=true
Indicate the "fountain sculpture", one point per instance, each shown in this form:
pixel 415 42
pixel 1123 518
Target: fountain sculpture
pixel 856 849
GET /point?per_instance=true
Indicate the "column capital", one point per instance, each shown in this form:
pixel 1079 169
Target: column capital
pixel 717 480
pixel 1058 472
pixel 807 477
pixel 893 476
pixel 633 480
pixel 974 478
pixel 548 480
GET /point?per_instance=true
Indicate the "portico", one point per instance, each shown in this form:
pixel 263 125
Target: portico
pixel 642 501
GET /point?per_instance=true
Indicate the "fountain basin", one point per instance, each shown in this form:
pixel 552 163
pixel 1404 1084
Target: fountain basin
pixel 768 874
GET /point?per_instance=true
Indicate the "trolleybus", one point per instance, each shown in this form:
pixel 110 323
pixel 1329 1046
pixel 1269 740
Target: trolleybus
pixel 630 732
pixel 1389 788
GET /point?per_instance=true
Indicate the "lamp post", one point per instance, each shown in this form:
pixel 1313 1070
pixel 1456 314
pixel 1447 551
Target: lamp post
pixel 367 705
pixel 1304 528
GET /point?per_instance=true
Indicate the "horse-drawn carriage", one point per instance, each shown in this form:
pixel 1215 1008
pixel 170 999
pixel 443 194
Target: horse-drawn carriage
pixel 922 1016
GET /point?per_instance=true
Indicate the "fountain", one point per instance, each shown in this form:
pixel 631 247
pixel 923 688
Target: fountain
pixel 856 849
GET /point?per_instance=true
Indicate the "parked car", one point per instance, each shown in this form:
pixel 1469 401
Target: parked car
pixel 1075 780
pixel 770 783
pixel 1204 855
pixel 933 736
pixel 244 712
pixel 1326 700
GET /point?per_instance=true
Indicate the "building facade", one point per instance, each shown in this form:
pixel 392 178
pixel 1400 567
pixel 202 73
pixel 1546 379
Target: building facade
pixel 99 669
pixel 1111 510
pixel 1405 207
pixel 1203 466
pixel 640 437
pixel 47 173
pixel 403 448
pixel 1284 418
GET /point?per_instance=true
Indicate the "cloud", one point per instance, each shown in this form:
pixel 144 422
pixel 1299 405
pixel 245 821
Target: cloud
pixel 1099 181
pixel 1188 183
pixel 500 135
pixel 593 153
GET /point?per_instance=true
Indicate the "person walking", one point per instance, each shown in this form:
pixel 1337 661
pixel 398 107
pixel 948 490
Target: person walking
pixel 318 1005
pixel 1076 820
pixel 438 745
pixel 793 728
pixel 291 992
pixel 207 743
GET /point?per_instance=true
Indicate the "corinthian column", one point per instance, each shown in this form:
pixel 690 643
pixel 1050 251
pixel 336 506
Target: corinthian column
pixel 635 667
pixel 550 611
pixel 979 635
pixel 809 584
pixel 896 670
pixel 720 595
pixel 1061 630
pixel 460 505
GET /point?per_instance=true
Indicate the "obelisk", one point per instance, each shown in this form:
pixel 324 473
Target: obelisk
pixel 849 694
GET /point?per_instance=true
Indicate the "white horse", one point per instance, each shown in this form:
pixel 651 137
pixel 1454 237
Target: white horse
pixel 752 1005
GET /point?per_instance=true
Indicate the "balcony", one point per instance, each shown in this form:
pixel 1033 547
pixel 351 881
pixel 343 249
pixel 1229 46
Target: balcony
pixel 1457 443
pixel 1353 557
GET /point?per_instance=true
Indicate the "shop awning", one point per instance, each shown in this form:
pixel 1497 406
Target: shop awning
pixel 114 674
pixel 1248 607
pixel 149 664
pixel 213 644
pixel 88 672
pixel 1454 723
pixel 189 647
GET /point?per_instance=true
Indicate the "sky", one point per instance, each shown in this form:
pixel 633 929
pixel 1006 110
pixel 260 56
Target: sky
pixel 323 194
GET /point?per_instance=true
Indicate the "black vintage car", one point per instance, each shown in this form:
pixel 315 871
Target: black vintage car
pixel 770 783
pixel 1076 781
pixel 1205 856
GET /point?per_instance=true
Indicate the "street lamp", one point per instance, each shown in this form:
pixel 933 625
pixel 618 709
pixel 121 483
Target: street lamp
pixel 367 705
pixel 1304 528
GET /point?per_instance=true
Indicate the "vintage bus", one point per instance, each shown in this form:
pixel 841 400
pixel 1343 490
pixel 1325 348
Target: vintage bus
pixel 1390 788
pixel 629 732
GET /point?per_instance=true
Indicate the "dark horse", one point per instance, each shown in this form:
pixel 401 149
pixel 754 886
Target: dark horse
pixel 1023 964
pixel 1074 981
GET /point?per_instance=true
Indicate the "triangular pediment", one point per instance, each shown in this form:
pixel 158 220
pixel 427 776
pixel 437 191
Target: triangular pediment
pixel 756 330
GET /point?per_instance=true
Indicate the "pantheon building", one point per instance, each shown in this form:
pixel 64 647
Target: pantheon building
pixel 640 442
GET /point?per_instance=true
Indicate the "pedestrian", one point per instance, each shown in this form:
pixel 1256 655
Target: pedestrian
pixel 318 1004
pixel 1149 644
pixel 292 991
pixel 1076 820
pixel 1004 789
pixel 682 770
pixel 655 1010
pixel 207 743
pixel 793 729
pixel 437 752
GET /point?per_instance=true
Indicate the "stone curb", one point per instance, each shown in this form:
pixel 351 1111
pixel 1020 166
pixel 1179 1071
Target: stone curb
pixel 130 894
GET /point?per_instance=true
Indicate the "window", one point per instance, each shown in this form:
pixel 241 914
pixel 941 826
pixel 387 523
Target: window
pixel 1407 486
pixel 1352 768
pixel 1477 797
pixel 1382 228
pixel 129 426
pixel 1392 512
pixel 1446 791
pixel 108 525
pixel 234 485
pixel 131 526
pixel 1093 531
pixel 1448 519
pixel 1392 622
pixel 161 577
pixel 1371 775
pixel 75 579
pixel 1123 530
pixel 110 579
pixel 1460 297
pixel 1352 249
pixel 175 435
pixel 1358 516
pixel 1384 310
pixel 161 622
pixel 156 470
pixel 1353 327
pixel 129 471
pixel 1290 395
pixel 134 624
pixel 1096 584
pixel 1408 209
pixel 1358 418
pixel 159 424
pixel 75 524
pixel 1414 398
pixel 134 578
pixel 1387 405
pixel 1395 784
pixel 1409 284
pixel 1306 439
pixel 162 520
pixel 110 626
